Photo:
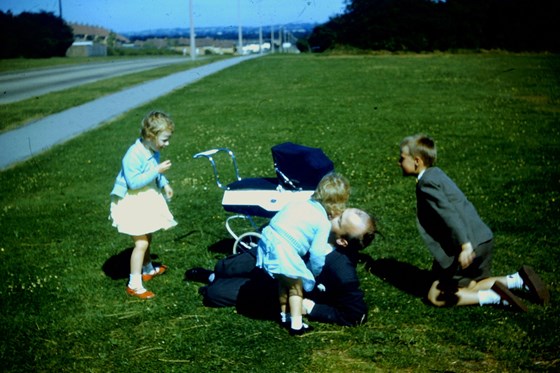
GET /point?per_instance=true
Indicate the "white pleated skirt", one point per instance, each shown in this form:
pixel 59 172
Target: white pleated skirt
pixel 141 212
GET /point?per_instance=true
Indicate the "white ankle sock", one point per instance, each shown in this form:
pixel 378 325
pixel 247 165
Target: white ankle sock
pixel 148 268
pixel 514 281
pixel 488 297
pixel 297 322
pixel 284 317
pixel 135 282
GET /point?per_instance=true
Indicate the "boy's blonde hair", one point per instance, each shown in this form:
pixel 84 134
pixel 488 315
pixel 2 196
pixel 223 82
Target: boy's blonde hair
pixel 154 123
pixel 421 146
pixel 332 192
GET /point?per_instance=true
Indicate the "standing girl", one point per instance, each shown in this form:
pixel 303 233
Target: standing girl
pixel 138 207
pixel 298 230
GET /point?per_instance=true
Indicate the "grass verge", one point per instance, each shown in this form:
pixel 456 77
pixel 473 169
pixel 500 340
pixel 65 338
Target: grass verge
pixel 25 111
pixel 495 118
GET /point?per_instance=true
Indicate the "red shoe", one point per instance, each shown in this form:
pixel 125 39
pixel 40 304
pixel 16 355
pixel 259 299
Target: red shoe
pixel 535 284
pixel 506 295
pixel 158 271
pixel 145 295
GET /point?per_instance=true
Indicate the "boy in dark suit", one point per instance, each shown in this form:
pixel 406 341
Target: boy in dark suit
pixel 458 239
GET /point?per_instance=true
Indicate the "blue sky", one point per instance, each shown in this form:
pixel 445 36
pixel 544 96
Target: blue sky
pixel 137 15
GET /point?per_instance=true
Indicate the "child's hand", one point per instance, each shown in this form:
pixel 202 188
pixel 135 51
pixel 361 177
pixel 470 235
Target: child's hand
pixel 467 255
pixel 307 306
pixel 168 192
pixel 164 166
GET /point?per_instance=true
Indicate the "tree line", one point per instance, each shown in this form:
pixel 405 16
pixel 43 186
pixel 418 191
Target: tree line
pixel 33 35
pixel 393 25
pixel 429 25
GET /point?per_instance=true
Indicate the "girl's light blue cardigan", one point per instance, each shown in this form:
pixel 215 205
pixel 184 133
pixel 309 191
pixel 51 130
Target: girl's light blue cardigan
pixel 139 168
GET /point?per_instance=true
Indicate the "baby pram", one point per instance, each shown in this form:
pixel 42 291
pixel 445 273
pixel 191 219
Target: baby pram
pixel 298 171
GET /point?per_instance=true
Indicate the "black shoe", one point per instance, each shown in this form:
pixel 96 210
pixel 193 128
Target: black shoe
pixel 198 274
pixel 506 295
pixel 304 329
pixel 538 289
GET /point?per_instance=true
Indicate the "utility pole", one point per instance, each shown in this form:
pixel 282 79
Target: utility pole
pixel 280 40
pixel 239 30
pixel 193 36
pixel 60 9
pixel 271 38
pixel 260 40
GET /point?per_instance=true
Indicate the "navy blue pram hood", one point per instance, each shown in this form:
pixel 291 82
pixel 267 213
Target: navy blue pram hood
pixel 300 167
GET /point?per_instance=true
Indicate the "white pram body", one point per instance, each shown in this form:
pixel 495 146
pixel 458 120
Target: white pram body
pixel 298 168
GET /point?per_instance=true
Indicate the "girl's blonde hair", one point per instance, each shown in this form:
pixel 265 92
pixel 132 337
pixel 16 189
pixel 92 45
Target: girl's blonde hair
pixel 154 123
pixel 333 192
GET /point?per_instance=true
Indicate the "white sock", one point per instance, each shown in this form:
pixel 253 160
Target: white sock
pixel 148 268
pixel 135 282
pixel 297 322
pixel 514 281
pixel 284 316
pixel 488 297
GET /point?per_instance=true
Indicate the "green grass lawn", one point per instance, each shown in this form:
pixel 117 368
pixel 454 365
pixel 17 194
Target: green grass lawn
pixel 18 113
pixel 495 118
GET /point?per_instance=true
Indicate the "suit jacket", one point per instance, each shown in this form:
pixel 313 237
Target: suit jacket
pixel 446 218
pixel 342 301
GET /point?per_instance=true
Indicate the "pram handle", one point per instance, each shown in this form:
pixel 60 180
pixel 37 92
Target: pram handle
pixel 208 154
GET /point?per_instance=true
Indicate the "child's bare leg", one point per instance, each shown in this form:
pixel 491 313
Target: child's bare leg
pixel 477 293
pixel 467 297
pixel 147 253
pixel 141 246
pixel 296 298
pixel 283 298
pixel 293 296
pixel 461 297
pixel 296 304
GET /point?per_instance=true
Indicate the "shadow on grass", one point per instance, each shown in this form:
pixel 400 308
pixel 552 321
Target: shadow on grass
pixel 224 246
pixel 403 276
pixel 117 267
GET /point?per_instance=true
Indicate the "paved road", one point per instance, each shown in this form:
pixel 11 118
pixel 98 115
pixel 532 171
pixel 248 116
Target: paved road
pixel 31 83
pixel 25 142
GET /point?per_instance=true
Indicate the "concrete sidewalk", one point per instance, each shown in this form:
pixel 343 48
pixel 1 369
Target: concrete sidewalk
pixel 31 139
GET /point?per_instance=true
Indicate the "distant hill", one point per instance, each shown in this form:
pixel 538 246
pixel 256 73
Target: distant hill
pixel 298 30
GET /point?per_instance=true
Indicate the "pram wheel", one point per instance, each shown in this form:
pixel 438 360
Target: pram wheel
pixel 246 241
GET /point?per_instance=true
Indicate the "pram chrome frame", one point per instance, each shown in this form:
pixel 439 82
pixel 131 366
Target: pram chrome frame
pixel 209 154
pixel 259 202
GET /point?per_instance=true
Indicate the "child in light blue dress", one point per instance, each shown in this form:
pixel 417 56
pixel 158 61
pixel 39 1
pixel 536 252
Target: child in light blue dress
pixel 301 229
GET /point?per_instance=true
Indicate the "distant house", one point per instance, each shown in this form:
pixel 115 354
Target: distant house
pixel 86 49
pixel 92 41
pixel 96 34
